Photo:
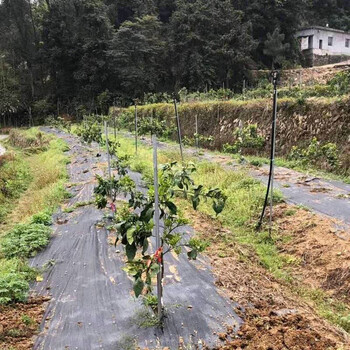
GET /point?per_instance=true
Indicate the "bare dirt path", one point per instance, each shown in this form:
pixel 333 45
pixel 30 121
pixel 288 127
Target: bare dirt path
pixel 91 303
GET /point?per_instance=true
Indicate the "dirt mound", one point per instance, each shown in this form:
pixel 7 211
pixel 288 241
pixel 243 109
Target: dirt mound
pixel 267 329
pixel 19 323
pixel 316 243
pixel 338 280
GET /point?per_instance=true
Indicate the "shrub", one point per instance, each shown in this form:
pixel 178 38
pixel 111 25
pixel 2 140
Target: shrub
pixel 340 83
pixel 14 278
pixel 25 240
pixel 43 218
pixel 13 287
pixel 246 140
pixel 326 156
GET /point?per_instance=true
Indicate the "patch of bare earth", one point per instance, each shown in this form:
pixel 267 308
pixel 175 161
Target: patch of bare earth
pixel 324 257
pixel 19 323
pixel 274 318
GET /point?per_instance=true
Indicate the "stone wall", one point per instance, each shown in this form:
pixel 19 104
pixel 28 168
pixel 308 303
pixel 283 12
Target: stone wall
pixel 327 120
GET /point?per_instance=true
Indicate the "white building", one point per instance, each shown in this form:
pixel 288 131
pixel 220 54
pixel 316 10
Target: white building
pixel 323 45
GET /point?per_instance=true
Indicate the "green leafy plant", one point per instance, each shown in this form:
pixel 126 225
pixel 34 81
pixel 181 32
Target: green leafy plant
pixel 89 131
pixel 324 156
pixel 27 320
pixel 134 224
pixel 25 240
pixel 150 125
pixel 13 287
pixel 247 140
pixel 43 218
pixel 204 141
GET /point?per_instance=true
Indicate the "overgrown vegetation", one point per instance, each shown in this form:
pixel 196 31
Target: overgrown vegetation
pixel 323 156
pixel 247 141
pixel 31 191
pixel 51 63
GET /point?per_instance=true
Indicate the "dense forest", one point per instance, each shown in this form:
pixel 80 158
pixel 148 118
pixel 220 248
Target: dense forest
pixel 80 56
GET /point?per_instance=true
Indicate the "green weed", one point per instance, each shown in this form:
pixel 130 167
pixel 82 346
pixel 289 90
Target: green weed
pixel 25 240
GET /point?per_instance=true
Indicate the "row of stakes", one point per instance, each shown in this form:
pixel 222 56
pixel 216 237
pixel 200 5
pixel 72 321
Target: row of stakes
pixel 157 233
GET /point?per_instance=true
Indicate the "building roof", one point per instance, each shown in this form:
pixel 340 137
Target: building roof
pixel 325 29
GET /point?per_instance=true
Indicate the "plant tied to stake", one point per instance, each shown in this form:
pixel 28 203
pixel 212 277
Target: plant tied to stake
pixel 134 223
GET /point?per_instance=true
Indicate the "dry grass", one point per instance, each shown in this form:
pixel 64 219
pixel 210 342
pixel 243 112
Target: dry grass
pixel 46 190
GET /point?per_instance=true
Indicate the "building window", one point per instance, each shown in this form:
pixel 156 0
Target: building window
pixel 330 41
pixel 320 45
pixel 347 42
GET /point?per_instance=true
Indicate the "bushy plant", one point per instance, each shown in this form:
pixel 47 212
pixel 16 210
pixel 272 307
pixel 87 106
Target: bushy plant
pixel 340 83
pixel 149 125
pixel 13 287
pixel 160 97
pixel 43 218
pixel 202 140
pixel 324 156
pixel 59 123
pixel 89 132
pixel 246 140
pixel 14 277
pixel 25 240
pixel 134 222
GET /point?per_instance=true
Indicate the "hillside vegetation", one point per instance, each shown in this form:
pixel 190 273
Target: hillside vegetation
pixel 78 57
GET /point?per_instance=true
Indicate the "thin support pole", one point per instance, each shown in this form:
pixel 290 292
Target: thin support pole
pixel 115 128
pixel 197 135
pixel 178 129
pixel 156 226
pixel 273 152
pixel 136 128
pixel 108 155
pixel 272 157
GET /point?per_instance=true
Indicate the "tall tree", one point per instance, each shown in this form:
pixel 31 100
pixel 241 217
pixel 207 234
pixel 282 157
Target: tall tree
pixel 137 52
pixel 208 39
pixel 76 38
pixel 275 48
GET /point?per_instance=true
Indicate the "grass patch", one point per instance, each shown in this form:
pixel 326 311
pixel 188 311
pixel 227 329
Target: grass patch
pixel 244 203
pixel 78 205
pixel 15 178
pixel 145 318
pixel 47 172
pixel 34 181
pixel 332 310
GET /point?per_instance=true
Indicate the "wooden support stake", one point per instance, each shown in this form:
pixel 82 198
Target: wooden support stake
pixel 136 128
pixel 156 226
pixel 108 155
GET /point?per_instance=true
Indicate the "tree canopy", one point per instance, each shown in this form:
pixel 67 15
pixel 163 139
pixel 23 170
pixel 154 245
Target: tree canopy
pixel 69 55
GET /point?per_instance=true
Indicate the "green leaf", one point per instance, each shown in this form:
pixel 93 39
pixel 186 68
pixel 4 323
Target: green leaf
pixel 192 255
pixel 130 251
pixel 145 246
pixel 155 268
pixel 138 287
pixel 130 235
pixel 172 207
pixel 218 206
pixel 195 202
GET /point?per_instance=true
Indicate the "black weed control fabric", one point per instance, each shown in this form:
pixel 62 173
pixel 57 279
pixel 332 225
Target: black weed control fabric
pixel 92 306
